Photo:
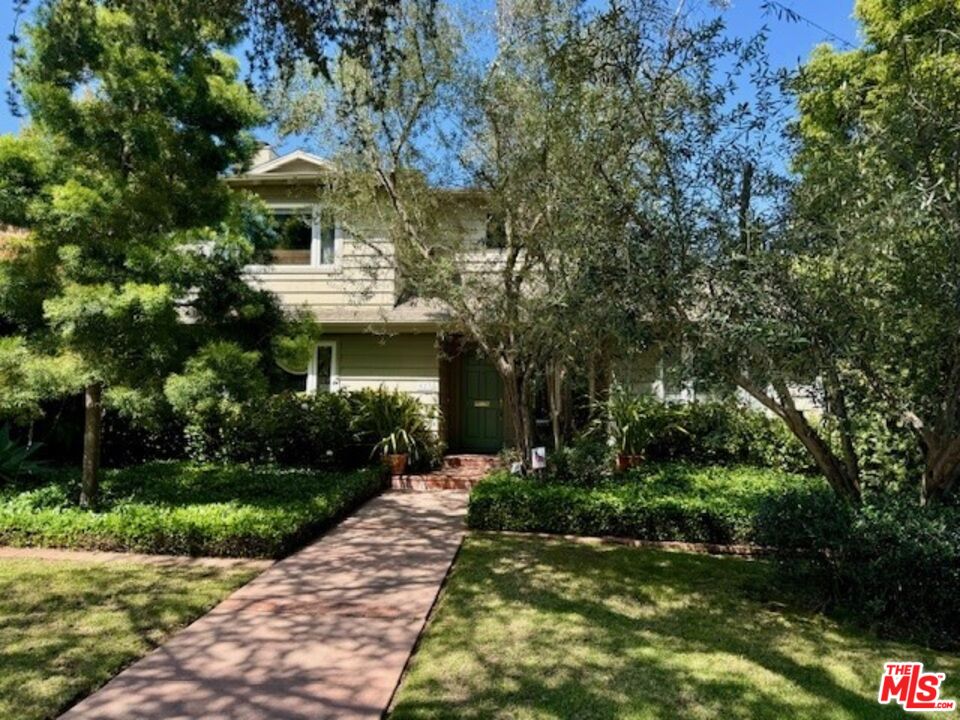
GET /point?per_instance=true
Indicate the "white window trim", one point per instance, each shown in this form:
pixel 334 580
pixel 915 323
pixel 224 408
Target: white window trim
pixel 316 230
pixel 334 368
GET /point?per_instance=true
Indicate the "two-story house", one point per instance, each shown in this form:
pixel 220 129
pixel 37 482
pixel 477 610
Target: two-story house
pixel 372 336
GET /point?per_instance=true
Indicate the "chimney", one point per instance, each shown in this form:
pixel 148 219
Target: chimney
pixel 264 154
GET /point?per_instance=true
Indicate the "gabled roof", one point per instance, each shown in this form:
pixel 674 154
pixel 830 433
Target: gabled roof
pixel 296 159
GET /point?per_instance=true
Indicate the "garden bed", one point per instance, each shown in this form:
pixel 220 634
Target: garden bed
pixel 668 501
pixel 185 509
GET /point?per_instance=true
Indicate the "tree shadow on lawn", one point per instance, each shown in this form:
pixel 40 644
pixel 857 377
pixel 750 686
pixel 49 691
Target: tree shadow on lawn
pixel 551 629
pixel 68 627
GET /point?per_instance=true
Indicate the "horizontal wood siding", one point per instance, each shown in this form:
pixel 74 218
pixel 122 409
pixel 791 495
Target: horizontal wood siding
pixel 364 277
pixel 407 362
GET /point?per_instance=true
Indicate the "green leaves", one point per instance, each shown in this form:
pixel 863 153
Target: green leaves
pixel 28 376
pixel 180 508
pixel 14 457
pixel 217 379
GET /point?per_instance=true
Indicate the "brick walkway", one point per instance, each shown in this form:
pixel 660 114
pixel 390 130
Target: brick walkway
pixel 323 634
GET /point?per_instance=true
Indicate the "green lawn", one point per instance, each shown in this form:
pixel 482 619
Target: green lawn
pixel 180 508
pixel 68 627
pixel 531 628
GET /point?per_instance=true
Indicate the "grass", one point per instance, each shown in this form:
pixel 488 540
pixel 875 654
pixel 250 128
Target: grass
pixel 180 508
pixel 661 501
pixel 68 627
pixel 530 628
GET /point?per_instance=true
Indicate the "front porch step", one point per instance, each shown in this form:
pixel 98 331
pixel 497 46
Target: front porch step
pixel 458 472
pixel 465 462
pixel 427 483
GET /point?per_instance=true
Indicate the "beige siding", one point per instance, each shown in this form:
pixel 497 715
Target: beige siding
pixel 363 277
pixel 362 285
pixel 407 362
pixel 641 373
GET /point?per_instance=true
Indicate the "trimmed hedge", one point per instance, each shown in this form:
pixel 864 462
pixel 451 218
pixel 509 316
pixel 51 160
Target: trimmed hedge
pixel 891 564
pixel 180 508
pixel 671 501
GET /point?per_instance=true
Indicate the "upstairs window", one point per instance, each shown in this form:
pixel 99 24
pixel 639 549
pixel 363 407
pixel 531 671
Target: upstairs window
pixel 305 236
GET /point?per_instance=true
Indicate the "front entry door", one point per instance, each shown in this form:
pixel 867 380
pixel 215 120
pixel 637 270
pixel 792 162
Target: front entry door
pixel 482 406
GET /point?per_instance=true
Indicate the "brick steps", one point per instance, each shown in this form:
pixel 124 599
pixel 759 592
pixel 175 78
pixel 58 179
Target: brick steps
pixel 458 472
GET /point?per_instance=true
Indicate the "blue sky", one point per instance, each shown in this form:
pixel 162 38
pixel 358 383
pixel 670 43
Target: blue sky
pixel 790 42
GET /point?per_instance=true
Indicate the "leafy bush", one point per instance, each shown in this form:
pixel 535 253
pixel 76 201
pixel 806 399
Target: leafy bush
pixel 716 431
pixel 810 518
pixel 899 570
pixel 180 508
pixel 210 392
pixel 293 430
pixel 310 430
pixel 890 564
pixel 391 421
pixel 586 462
pixel 637 423
pixel 670 501
pixel 14 457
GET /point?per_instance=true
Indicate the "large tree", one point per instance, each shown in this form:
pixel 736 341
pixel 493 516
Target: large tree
pixel 135 114
pixel 854 288
pixel 880 164
pixel 576 136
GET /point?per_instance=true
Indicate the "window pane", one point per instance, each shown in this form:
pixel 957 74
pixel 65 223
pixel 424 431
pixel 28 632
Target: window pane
pixel 324 367
pixel 328 247
pixel 294 238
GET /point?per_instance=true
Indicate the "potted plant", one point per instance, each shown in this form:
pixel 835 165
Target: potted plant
pixel 397 449
pixel 636 424
pixel 626 426
pixel 628 450
pixel 395 424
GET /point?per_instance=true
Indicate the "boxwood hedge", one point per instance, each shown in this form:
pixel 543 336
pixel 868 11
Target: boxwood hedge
pixel 672 501
pixel 183 508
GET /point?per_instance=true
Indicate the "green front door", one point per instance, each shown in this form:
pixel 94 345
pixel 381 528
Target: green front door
pixel 482 406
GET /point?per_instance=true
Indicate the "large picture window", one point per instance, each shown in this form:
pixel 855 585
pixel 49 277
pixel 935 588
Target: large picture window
pixel 305 236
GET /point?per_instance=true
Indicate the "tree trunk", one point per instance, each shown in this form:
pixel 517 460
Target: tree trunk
pixel 518 406
pixel 555 399
pixel 93 422
pixel 831 467
pixel 942 468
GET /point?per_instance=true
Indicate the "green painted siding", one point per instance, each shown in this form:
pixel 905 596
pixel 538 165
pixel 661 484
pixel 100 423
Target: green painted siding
pixel 407 362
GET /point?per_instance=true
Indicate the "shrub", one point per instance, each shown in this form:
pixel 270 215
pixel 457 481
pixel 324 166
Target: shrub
pixel 890 564
pixel 182 508
pixel 715 431
pixel 294 430
pixel 312 430
pixel 209 394
pixel 899 570
pixel 659 502
pixel 586 462
pixel 807 519
pixel 14 457
pixel 392 421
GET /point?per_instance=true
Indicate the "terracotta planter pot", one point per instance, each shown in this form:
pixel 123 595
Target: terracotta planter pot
pixel 396 463
pixel 625 462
